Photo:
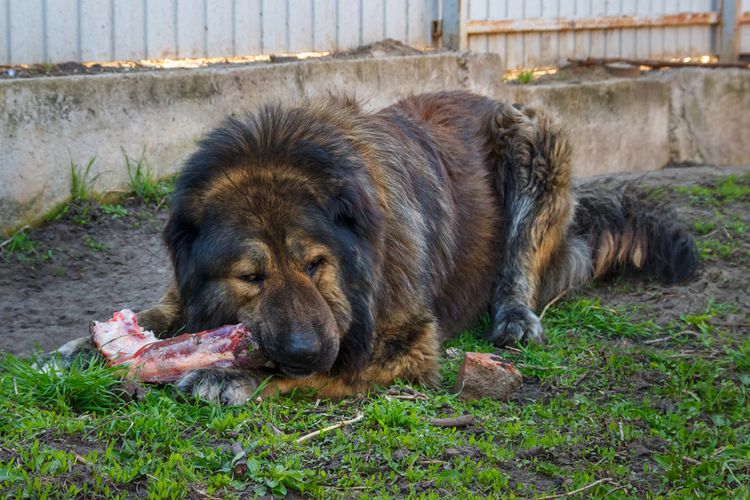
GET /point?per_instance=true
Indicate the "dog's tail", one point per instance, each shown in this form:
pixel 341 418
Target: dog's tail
pixel 618 232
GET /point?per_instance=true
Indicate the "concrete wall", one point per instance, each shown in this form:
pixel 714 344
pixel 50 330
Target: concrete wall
pixel 710 119
pixel 47 123
pixel 685 116
pixel 617 125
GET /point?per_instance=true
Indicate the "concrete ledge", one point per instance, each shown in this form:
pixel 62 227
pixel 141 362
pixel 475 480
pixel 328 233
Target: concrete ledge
pixel 619 125
pixel 614 125
pixel 710 116
pixel 50 122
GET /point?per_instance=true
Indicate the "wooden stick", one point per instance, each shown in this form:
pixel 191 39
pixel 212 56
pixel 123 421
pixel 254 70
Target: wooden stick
pixel 654 63
pixel 239 468
pixel 552 302
pixel 579 490
pixel 461 421
pixel 330 428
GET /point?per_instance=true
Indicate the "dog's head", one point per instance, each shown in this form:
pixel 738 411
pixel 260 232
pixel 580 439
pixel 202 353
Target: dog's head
pixel 275 223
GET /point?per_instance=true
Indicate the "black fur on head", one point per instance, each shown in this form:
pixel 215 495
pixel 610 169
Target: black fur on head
pixel 342 210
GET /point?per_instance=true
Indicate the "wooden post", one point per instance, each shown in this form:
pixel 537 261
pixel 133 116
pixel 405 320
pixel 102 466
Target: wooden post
pixel 729 49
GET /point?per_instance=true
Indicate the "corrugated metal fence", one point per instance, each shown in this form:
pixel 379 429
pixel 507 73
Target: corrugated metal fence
pixel 37 31
pixel 527 33
pixel 534 33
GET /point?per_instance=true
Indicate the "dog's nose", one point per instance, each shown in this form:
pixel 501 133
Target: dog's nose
pixel 302 348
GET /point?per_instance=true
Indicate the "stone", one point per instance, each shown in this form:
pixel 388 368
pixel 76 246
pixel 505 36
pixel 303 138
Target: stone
pixel 486 375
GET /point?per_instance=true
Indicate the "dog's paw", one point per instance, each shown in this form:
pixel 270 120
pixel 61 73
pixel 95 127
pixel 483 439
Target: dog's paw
pixel 80 350
pixel 224 386
pixel 515 324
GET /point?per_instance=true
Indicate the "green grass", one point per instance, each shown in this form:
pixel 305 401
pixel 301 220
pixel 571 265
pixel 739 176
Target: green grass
pixel 732 188
pixel 662 419
pixel 81 181
pixel 144 184
pixel 524 77
pixel 114 211
pixel 20 242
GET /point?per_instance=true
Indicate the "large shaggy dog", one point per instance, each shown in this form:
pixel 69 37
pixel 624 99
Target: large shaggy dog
pixel 354 243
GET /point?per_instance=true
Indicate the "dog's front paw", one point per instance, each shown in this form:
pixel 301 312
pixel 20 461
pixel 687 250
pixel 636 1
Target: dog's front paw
pixel 225 386
pixel 515 324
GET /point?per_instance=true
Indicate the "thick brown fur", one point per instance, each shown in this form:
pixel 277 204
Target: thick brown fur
pixel 354 243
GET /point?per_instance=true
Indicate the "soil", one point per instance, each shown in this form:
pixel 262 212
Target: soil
pixel 87 264
pixel 388 47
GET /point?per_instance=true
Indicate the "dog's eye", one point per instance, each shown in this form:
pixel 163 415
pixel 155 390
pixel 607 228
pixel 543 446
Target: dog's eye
pixel 255 279
pixel 313 266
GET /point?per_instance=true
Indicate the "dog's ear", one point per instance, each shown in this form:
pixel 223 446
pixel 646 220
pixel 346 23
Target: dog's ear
pixel 353 208
pixel 179 236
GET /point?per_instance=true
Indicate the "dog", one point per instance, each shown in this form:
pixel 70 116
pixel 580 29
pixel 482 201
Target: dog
pixel 354 243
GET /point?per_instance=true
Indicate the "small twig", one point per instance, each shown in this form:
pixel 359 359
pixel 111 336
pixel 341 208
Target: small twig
pixel 691 461
pixel 656 341
pixel 80 459
pixel 513 349
pixel 553 301
pixel 461 421
pixel 579 490
pixel 609 493
pixel 406 397
pixel 330 428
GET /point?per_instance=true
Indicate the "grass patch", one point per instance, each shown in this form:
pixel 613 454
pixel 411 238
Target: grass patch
pixel 732 188
pixel 81 181
pixel 144 184
pixel 667 419
pixel 114 211
pixel 524 77
pixel 20 242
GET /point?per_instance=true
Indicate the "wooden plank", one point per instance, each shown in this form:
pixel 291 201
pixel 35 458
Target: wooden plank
pixel 498 44
pixel 532 42
pixel 566 41
pixel 247 27
pixel 62 30
pixel 220 28
pixel 95 20
pixel 515 43
pixel 549 41
pixel 300 25
pixel 161 38
pixel 274 26
pixel 26 31
pixel 508 26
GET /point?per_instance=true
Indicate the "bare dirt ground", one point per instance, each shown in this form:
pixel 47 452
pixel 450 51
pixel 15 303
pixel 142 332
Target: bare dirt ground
pixel 88 263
